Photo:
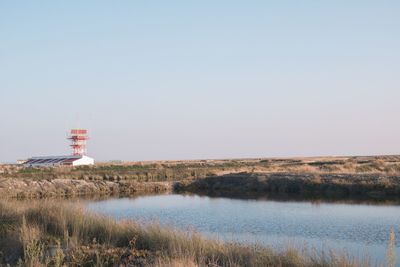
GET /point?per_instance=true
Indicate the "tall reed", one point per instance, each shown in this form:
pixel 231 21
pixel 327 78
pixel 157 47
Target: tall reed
pixel 391 249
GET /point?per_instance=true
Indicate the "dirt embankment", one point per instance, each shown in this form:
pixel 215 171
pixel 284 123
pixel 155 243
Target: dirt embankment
pixel 28 188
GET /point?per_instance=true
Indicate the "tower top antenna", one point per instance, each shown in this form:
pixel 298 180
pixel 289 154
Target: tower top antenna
pixel 78 138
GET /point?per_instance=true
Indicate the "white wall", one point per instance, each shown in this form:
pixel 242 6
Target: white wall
pixel 83 161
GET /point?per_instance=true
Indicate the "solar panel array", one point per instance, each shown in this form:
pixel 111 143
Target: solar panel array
pixel 51 161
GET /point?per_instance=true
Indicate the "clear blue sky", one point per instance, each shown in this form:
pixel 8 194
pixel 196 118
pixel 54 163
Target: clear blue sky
pixel 200 79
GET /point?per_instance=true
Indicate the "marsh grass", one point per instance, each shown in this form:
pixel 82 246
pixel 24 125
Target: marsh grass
pixel 182 170
pixel 391 253
pixel 84 239
pixel 33 247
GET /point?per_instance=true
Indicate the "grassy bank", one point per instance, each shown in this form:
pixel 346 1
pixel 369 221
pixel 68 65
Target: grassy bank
pixel 307 185
pixel 50 234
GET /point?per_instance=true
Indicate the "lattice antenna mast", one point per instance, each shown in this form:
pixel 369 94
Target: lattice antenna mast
pixel 78 139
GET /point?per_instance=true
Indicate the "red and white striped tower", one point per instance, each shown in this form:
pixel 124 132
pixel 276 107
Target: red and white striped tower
pixel 78 139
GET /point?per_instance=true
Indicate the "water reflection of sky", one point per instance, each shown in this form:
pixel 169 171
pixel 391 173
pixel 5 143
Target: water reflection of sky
pixel 357 228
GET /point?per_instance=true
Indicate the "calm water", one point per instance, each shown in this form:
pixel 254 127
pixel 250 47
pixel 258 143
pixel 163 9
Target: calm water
pixel 355 228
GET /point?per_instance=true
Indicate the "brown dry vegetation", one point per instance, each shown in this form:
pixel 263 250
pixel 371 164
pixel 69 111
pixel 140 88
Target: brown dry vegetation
pixel 366 177
pixel 53 234
pixel 181 170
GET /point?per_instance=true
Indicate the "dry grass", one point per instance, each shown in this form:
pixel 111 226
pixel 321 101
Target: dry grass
pixel 391 255
pixel 49 234
pixel 181 170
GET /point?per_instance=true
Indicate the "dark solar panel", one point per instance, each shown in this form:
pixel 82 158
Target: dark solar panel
pixel 34 161
pixel 61 160
pixel 41 161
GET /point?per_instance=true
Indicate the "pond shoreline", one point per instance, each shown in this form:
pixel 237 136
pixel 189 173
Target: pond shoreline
pixel 282 185
pixel 359 228
pixel 39 233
